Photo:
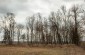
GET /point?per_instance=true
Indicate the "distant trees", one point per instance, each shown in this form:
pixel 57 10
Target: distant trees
pixel 9 23
pixel 61 27
pixel 23 37
pixel 76 13
pixel 19 31
pixel 30 28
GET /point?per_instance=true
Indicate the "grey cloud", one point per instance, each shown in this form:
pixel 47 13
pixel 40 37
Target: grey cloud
pixel 22 1
pixel 30 5
pixel 72 0
pixel 24 8
pixel 12 6
pixel 4 10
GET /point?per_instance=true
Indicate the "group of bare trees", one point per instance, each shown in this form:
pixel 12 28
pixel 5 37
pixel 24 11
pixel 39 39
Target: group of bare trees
pixel 61 27
pixel 8 26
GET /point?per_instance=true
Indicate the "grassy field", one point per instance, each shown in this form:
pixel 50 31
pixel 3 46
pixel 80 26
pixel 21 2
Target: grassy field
pixel 57 50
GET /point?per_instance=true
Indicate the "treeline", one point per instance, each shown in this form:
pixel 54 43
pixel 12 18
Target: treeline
pixel 61 27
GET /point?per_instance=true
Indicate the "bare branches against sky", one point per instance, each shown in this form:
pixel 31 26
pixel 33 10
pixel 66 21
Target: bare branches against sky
pixel 24 8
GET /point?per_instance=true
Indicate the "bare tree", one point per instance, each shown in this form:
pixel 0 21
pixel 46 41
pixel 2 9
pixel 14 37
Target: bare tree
pixel 9 30
pixel 19 31
pixel 76 12
pixel 23 37
pixel 30 25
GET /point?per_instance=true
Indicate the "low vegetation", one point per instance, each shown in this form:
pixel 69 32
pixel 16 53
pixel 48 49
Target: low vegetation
pixel 47 50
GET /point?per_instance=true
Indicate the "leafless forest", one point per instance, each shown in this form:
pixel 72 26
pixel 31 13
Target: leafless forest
pixel 61 27
pixel 42 27
pixel 61 33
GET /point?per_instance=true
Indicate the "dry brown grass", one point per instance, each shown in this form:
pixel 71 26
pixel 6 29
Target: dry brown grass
pixel 83 44
pixel 26 50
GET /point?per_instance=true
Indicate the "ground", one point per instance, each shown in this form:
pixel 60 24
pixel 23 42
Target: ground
pixel 57 50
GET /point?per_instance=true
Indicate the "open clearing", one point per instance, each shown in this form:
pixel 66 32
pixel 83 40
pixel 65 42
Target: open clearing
pixel 26 50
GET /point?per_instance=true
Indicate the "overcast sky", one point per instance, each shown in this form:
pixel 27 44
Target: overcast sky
pixel 24 8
